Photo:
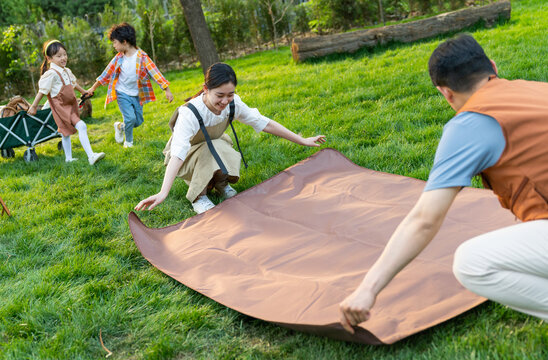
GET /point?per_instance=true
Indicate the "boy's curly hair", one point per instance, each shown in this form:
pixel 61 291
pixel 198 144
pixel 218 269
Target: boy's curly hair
pixel 123 32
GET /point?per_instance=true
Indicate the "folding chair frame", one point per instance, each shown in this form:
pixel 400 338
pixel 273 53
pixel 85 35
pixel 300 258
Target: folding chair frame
pixel 4 208
pixel 30 142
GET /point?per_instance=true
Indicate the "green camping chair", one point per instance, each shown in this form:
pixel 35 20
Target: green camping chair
pixel 27 130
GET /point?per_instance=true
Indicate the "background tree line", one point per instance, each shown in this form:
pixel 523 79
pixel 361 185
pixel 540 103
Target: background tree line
pixel 236 26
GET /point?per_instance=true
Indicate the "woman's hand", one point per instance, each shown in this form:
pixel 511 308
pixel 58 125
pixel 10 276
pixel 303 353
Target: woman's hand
pixel 314 141
pixel 278 129
pixel 151 202
pixel 355 309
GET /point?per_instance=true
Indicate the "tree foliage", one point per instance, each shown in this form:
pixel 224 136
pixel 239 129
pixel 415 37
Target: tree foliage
pixel 18 59
pixel 229 23
pixel 13 12
pixel 59 9
pixel 163 32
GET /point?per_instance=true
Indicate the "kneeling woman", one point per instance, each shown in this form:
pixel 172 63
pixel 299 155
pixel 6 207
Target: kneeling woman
pixel 204 164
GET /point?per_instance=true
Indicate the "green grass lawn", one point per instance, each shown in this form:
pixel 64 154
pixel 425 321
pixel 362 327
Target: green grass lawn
pixel 69 268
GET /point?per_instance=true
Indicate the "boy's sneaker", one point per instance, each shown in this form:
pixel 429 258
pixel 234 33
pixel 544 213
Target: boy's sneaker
pixel 119 132
pixel 202 204
pixel 228 192
pixel 128 144
pixel 96 157
pixel 70 160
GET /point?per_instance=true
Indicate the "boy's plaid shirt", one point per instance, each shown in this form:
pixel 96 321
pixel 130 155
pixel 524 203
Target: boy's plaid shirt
pixel 145 69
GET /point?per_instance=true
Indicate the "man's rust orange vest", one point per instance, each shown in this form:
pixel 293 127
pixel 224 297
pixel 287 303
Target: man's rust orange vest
pixel 520 176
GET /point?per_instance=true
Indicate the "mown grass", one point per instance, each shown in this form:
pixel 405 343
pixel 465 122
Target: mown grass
pixel 70 270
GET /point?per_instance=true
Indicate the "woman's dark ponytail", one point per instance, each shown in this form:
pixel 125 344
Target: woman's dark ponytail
pixel 195 95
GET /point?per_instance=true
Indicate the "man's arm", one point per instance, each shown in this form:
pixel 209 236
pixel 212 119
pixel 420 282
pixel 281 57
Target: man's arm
pixel 412 235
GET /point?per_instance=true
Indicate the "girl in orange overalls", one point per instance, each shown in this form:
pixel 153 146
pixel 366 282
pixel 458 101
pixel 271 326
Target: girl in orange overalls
pixel 58 83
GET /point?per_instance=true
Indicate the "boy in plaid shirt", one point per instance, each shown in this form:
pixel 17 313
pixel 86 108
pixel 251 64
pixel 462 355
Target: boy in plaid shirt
pixel 128 76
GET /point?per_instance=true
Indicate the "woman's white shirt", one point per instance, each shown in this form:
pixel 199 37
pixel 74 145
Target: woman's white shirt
pixel 50 83
pixel 187 125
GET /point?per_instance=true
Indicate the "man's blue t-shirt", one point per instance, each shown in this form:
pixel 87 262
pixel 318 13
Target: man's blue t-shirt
pixel 470 143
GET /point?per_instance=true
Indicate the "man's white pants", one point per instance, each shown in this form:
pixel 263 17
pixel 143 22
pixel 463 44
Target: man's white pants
pixel 509 266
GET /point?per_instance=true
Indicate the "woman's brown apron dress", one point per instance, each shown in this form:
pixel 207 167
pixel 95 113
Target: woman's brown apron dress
pixel 199 165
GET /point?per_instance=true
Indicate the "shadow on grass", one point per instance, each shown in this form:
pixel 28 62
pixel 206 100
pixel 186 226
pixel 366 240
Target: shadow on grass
pixel 463 331
pixel 96 120
pixel 458 329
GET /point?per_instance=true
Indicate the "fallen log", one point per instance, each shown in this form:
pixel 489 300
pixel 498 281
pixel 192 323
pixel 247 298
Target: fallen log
pixel 304 48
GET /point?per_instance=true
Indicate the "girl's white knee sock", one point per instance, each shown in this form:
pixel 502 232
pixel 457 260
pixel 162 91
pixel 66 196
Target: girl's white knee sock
pixel 65 141
pixel 83 135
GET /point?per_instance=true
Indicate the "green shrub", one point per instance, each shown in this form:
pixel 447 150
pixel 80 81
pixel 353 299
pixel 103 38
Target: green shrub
pixel 87 56
pixel 229 23
pixel 301 18
pixel 19 60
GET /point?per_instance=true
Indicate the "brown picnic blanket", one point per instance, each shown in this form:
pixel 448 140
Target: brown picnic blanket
pixel 290 249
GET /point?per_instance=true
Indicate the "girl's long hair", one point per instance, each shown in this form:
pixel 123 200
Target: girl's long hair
pixel 49 49
pixel 216 75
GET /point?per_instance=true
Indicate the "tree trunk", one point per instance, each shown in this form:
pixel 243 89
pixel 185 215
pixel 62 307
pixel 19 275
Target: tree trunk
pixel 166 12
pixel 311 47
pixel 381 12
pixel 28 66
pixel 201 37
pixel 255 22
pixel 32 79
pixel 274 32
pixel 151 35
pixel 269 4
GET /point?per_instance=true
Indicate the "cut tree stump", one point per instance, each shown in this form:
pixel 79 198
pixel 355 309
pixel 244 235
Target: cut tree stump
pixel 317 46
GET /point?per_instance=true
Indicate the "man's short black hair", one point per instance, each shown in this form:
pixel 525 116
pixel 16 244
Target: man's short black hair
pixel 123 32
pixel 459 64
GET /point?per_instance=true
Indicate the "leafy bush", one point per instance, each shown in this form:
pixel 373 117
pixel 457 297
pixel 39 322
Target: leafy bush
pixel 19 60
pixel 86 52
pixel 229 23
pixel 278 11
pixel 341 14
pixel 301 18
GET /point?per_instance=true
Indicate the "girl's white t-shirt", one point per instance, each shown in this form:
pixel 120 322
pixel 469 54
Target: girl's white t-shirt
pixel 187 125
pixel 127 82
